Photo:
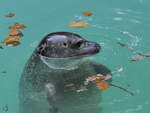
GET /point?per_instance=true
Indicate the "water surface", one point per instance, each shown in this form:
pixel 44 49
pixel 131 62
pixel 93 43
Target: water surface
pixel 126 21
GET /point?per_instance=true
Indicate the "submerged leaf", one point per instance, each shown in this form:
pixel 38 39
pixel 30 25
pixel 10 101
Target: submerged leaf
pixel 78 24
pixel 99 79
pixel 69 85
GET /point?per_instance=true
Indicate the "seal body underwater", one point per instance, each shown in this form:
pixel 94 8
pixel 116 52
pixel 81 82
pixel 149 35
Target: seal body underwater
pixel 61 58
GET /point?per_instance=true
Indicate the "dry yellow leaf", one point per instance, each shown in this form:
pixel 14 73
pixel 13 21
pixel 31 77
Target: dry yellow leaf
pixel 11 39
pixel 78 24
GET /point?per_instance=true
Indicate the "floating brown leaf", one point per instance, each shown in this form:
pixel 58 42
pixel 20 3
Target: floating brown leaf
pixel 103 85
pixel 11 39
pixel 13 32
pixel 17 26
pixel 13 43
pixel 10 15
pixel 78 24
pixel 69 85
pixel 87 13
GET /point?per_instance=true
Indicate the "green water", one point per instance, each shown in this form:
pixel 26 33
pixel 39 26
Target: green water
pixel 112 21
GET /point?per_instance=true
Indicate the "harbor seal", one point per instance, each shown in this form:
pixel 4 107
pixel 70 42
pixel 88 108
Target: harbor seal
pixel 61 58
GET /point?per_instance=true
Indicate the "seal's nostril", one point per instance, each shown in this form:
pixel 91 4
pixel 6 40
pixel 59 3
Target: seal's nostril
pixel 97 46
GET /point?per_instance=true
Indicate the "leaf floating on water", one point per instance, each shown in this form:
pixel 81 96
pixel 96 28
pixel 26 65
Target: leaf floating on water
pixel 13 32
pixel 69 85
pixel 78 24
pixel 87 13
pixel 13 43
pixel 11 39
pixel 10 15
pixel 102 85
pixel 17 26
pixel 137 58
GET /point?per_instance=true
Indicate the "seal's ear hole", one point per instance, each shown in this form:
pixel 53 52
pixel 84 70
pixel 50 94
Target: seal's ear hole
pixel 65 44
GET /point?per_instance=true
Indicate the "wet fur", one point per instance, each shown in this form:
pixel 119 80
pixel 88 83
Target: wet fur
pixel 42 89
pixel 38 77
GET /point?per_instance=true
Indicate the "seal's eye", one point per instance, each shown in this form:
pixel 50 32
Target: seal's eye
pixel 78 44
pixel 65 44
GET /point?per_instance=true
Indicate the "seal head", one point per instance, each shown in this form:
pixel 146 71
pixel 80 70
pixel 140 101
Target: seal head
pixel 65 49
pixel 66 44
